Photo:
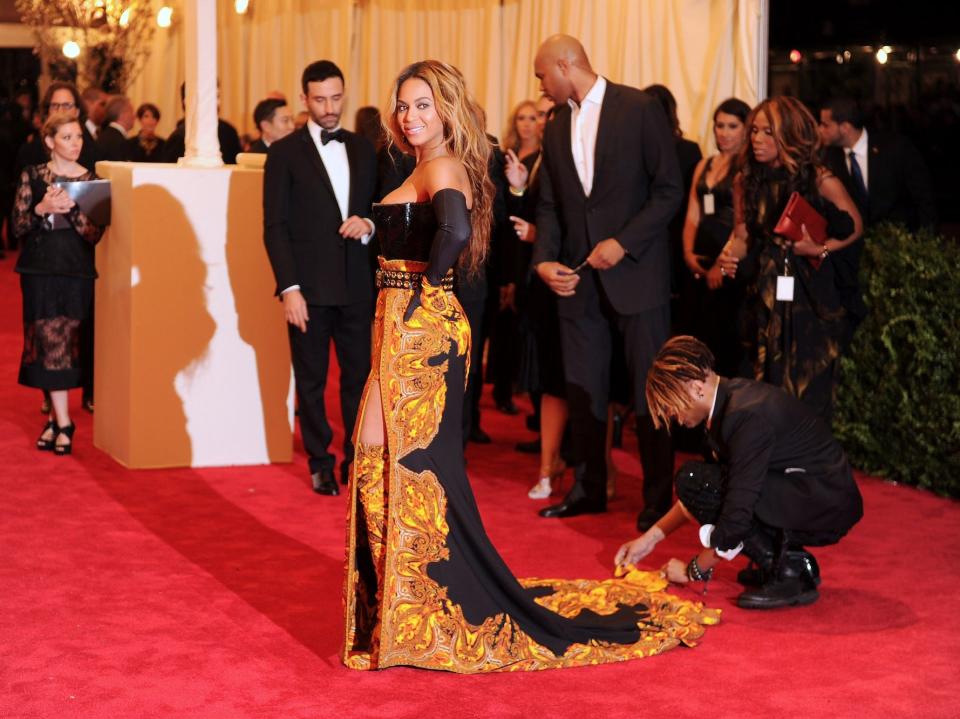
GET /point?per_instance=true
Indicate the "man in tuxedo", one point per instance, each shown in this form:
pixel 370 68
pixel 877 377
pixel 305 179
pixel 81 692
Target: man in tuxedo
pixel 776 481
pixel 318 185
pixel 884 174
pixel 609 184
pixel 118 122
pixel 274 120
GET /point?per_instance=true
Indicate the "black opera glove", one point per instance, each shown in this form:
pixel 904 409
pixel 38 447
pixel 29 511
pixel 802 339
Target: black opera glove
pixel 453 234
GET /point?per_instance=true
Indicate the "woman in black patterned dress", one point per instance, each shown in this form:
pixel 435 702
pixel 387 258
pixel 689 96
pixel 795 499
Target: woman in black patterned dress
pixel 796 336
pixel 57 271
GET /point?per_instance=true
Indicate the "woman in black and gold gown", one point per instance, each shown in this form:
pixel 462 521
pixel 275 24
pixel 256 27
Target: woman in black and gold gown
pixel 424 585
pixel 793 344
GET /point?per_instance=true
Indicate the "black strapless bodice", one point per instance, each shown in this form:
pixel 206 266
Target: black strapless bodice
pixel 405 230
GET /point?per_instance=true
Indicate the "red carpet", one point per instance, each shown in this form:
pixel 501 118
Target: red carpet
pixel 216 593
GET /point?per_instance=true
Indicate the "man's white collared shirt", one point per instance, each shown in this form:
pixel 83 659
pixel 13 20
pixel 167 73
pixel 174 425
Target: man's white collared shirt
pixel 334 156
pixel 584 121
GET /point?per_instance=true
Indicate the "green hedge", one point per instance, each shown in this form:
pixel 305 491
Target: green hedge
pixel 898 403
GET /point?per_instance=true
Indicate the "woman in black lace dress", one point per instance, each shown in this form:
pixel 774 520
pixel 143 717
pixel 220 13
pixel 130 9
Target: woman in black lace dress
pixel 57 271
pixel 797 333
pixel 709 303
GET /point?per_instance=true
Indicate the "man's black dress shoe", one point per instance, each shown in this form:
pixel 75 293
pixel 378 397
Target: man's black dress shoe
pixel 531 447
pixel 478 436
pixel 647 518
pixel 573 508
pixel 324 483
pixel 508 407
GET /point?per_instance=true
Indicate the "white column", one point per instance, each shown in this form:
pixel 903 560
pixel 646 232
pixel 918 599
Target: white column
pixel 200 35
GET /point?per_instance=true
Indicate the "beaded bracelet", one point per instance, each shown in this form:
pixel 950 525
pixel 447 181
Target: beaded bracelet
pixel 695 574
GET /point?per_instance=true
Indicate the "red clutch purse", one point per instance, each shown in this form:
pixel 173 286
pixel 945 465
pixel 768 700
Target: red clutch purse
pixel 799 212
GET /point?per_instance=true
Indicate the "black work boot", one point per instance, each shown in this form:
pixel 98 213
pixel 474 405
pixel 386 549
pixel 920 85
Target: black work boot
pixel 759 547
pixel 793 583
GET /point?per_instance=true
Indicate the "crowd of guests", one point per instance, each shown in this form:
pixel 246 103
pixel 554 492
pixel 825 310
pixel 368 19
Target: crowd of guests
pixel 570 318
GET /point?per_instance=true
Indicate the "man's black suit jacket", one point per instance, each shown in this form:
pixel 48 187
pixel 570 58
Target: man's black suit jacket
pixel 636 190
pixel 900 188
pixel 783 463
pixel 301 218
pixel 113 144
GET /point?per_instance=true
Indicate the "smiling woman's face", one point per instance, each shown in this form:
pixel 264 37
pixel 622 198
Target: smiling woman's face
pixel 417 114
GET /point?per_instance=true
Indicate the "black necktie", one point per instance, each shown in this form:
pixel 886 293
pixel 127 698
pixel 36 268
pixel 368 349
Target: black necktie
pixel 336 136
pixel 857 176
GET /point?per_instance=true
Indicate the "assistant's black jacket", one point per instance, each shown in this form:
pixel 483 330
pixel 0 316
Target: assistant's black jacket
pixel 783 465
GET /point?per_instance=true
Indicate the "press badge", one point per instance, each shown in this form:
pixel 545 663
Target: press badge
pixel 784 288
pixel 708 208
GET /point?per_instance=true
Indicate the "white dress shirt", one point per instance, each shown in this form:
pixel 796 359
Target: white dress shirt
pixel 334 157
pixel 92 128
pixel 860 149
pixel 584 121
pixel 119 128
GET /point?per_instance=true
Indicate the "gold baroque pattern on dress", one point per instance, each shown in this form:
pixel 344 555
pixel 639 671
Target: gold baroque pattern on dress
pixel 422 627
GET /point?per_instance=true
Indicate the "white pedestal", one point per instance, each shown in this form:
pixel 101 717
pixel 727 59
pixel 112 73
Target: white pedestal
pixel 192 359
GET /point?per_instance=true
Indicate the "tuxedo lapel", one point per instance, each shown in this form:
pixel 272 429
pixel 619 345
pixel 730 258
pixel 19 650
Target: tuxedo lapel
pixel 351 147
pixel 568 166
pixel 317 161
pixel 606 133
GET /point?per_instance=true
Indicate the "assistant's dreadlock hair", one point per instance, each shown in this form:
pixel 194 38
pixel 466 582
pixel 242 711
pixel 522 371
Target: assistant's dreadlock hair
pixel 683 358
pixel 798 149
pixel 465 138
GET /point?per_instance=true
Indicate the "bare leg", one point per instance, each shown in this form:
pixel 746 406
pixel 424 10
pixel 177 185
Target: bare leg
pixel 61 411
pixel 372 428
pixel 553 420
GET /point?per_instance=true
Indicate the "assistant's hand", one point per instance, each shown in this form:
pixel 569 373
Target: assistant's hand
pixel 559 278
pixel 516 172
pixel 676 571
pixel 295 309
pixel 354 227
pixel 633 552
pixel 606 254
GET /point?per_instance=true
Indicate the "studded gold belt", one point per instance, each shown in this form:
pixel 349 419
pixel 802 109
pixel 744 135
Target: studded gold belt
pixel 403 280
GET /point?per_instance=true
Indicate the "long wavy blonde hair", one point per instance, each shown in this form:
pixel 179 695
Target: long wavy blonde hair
pixel 511 138
pixel 465 139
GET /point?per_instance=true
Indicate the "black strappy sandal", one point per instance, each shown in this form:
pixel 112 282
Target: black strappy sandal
pixel 46 445
pixel 62 450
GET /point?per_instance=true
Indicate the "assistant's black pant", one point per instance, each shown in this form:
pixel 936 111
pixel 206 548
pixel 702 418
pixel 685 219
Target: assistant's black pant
pixel 475 311
pixel 588 341
pixel 349 327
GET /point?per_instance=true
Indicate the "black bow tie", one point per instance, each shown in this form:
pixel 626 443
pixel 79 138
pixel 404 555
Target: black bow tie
pixel 337 136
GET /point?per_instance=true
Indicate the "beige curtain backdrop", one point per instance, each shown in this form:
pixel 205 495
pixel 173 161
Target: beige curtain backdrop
pixel 703 50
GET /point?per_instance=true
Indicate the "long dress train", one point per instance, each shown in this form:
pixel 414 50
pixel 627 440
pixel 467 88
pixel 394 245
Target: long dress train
pixel 424 585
